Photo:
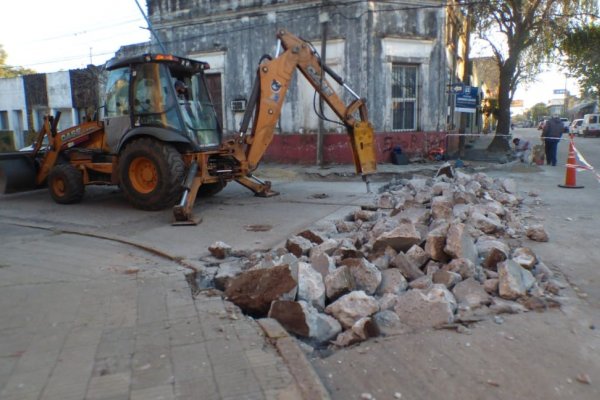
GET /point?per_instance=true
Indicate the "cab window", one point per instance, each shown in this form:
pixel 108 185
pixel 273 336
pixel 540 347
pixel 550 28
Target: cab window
pixel 117 93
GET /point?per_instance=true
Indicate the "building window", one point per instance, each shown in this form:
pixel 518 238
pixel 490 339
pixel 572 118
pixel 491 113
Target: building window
pixel 404 97
pixel 4 121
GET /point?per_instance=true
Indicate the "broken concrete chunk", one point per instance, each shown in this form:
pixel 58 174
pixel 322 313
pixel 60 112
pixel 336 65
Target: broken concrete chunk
pixel 313 236
pixel 322 263
pixel 509 185
pixel 389 324
pixel 310 286
pixel 491 285
pixel 471 293
pixel 501 306
pixel 253 291
pixel 511 284
pixel 362 330
pixel 345 226
pixel 386 201
pixel 415 215
pixel 491 224
pixel 417 255
pixel 302 319
pixel 387 301
pixel 423 282
pixel 464 197
pixel 219 250
pixel 392 282
pixel 542 272
pixel 365 328
pixel 525 257
pixel 298 246
pixel 382 259
pixel 351 307
pixel 339 282
pixel 441 208
pixel 365 215
pixel 432 267
pixel 459 244
pixel 401 238
pixel 446 170
pixel 366 276
pixel 537 233
pixel 327 247
pixel 461 212
pixel 226 272
pixel 439 188
pixel 435 243
pixel 406 265
pixel 426 309
pixel 446 278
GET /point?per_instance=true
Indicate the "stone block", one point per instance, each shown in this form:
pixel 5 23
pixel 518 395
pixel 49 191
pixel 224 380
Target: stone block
pixel 253 291
pixel 351 307
pixel 219 250
pixel 301 319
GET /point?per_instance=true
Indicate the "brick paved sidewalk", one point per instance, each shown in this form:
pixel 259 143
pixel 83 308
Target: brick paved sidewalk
pixel 85 318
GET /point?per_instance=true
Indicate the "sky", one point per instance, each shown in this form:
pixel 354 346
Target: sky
pixel 49 36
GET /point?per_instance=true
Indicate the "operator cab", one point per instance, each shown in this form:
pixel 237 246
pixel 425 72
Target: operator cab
pixel 165 94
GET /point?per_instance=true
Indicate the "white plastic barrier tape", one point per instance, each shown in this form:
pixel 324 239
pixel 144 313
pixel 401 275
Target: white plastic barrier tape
pixel 586 165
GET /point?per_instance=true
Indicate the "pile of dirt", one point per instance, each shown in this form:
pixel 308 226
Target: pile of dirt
pixel 428 253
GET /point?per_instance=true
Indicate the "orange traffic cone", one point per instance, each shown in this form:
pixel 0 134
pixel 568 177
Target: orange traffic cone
pixel 571 174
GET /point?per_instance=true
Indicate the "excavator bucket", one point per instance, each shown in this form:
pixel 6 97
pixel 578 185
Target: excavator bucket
pixel 17 172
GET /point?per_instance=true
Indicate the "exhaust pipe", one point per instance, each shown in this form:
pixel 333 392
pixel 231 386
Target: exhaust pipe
pixel 17 172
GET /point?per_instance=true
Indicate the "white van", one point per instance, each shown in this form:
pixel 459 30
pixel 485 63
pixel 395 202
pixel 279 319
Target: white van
pixel 591 125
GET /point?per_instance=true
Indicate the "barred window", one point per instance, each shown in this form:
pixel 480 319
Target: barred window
pixel 404 97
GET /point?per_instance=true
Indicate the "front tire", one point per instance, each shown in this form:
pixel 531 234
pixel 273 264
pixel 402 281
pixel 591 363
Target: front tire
pixel 65 183
pixel 150 174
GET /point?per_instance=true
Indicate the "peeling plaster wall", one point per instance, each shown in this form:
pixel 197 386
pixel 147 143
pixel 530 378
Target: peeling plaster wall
pixel 244 30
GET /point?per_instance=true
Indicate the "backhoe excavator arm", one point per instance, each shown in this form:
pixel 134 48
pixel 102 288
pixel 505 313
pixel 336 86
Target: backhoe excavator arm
pixel 274 77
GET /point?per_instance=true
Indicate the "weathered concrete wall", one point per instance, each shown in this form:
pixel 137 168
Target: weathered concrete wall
pixel 242 31
pixel 13 106
pixel 58 87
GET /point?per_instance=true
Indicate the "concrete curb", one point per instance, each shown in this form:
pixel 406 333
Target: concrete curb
pixel 309 383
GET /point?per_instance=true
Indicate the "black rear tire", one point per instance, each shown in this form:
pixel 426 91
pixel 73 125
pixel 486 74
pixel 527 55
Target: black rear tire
pixel 65 183
pixel 151 174
pixel 210 189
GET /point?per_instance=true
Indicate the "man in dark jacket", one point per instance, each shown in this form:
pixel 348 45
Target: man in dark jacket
pixel 553 130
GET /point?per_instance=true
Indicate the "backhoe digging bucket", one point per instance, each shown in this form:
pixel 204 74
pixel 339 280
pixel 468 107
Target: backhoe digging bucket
pixel 17 172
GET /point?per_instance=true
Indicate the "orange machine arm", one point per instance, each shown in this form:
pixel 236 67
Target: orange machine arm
pixel 275 76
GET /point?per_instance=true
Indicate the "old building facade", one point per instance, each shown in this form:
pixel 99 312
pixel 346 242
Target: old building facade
pixel 25 100
pixel 392 53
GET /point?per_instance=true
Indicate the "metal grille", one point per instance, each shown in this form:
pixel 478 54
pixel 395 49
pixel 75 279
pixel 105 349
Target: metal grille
pixel 404 97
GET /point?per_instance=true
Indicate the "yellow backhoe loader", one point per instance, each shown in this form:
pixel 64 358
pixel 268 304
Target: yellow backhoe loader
pixel 160 139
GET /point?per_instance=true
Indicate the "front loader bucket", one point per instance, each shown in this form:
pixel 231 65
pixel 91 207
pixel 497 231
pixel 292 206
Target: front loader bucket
pixel 17 172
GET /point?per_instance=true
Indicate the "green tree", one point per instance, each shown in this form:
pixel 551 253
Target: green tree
pixel 522 35
pixel 580 46
pixel 7 71
pixel 538 112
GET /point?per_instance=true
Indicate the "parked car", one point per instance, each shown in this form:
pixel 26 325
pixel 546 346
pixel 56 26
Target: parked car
pixel 591 125
pixel 576 126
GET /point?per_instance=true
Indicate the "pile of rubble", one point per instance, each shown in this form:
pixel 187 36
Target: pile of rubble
pixel 430 253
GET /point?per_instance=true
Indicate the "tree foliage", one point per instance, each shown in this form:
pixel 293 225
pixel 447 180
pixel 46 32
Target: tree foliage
pixel 7 71
pixel 580 47
pixel 522 35
pixel 539 111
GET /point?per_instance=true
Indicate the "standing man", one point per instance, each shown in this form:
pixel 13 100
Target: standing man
pixel 553 130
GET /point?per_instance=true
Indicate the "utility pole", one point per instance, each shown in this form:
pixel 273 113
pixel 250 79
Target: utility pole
pixel 466 79
pixel 324 20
